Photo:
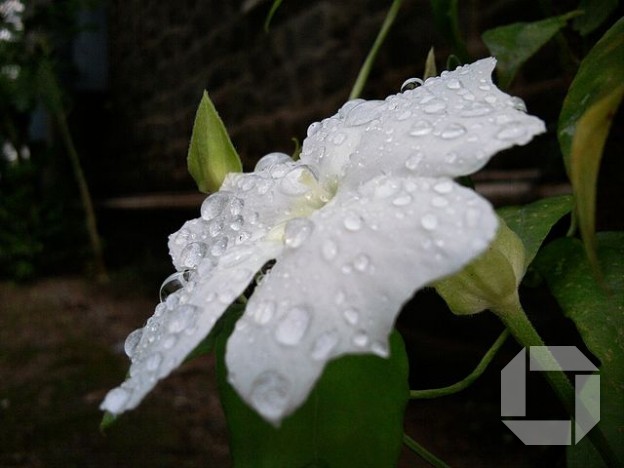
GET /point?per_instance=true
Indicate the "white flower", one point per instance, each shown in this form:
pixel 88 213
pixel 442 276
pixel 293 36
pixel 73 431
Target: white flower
pixel 367 216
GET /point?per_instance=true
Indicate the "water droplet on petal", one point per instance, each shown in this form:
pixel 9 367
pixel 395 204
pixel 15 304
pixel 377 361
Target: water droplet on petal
pixel 439 202
pixel 435 107
pixel 517 103
pixel 421 128
pixel 338 138
pixel 411 83
pixel 475 109
pixel 380 349
pixel 173 283
pixel 329 249
pixel 236 206
pixel 132 341
pixel 297 231
pixel 292 183
pixel 453 84
pixel 237 223
pixel 364 112
pixel 402 200
pixel 414 161
pixel 219 246
pixel 214 205
pixel 215 227
pixel 115 400
pixel 353 222
pixel 429 222
pixel 169 342
pixel 352 316
pixel 406 114
pixel 293 326
pixel 446 186
pixel 324 345
pixel 313 128
pixel 360 339
pixel 270 394
pixel 452 131
pixel 361 262
pixel 340 297
pixel 263 312
pixel 192 254
pixel 182 318
pixel 270 160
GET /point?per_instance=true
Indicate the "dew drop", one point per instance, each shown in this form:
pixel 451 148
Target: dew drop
pixel 169 342
pixel 476 109
pixel 360 339
pixel 411 83
pixel 329 249
pixel 386 188
pixel 313 128
pixel 517 104
pixel 263 312
pixel 435 107
pixel 380 349
pixel 361 262
pixel 353 222
pixel 183 318
pixel 215 227
pixel 297 231
pixel 270 160
pixel 324 345
pixel 237 223
pixel 132 341
pixel 236 206
pixel 293 326
pixel 421 128
pixel 269 394
pixel 414 160
pixel 214 205
pixel 429 222
pixel 173 283
pixel 365 112
pixel 406 114
pixel 192 254
pixel 443 187
pixel 439 202
pixel 338 139
pixel 340 297
pixel 219 246
pixel 352 316
pixel 452 131
pixel 453 84
pixel 402 200
pixel 292 183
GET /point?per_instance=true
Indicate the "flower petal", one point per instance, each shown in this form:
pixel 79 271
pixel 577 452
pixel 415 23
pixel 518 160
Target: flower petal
pixel 339 291
pixel 183 320
pixel 451 126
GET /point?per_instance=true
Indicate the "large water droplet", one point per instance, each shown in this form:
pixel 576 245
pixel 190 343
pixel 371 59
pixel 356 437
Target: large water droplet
pixel 293 326
pixel 313 128
pixel 421 128
pixel 297 231
pixel 364 112
pixel 429 222
pixel 270 160
pixel 329 249
pixel 453 84
pixel 219 246
pixel 173 283
pixel 402 200
pixel 517 103
pixel 351 315
pixel 270 394
pixel 452 131
pixel 132 341
pixel 411 83
pixel 192 254
pixel 324 345
pixel 214 205
pixel 445 186
pixel 115 400
pixel 353 222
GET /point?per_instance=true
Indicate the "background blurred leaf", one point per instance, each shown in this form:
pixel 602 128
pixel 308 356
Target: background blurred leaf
pixel 595 13
pixel 430 65
pixel 211 155
pixel 514 44
pixel 446 18
pixel 585 121
pixel 271 14
pixel 533 222
pixel 353 417
pixel 599 318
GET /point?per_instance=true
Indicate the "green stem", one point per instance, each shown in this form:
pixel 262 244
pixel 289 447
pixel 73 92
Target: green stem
pixel 370 58
pixel 462 384
pixel 515 319
pixel 423 452
pixel 85 196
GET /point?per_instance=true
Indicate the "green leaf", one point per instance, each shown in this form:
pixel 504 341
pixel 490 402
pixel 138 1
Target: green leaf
pixel 585 121
pixel 224 324
pixel 211 155
pixel 595 13
pixel 533 222
pixel 107 421
pixel 446 18
pixel 514 44
pixel 599 317
pixel 353 417
pixel 271 14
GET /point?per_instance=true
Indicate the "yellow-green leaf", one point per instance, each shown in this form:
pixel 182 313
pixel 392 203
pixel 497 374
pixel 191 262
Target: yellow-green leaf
pixel 430 65
pixel 211 155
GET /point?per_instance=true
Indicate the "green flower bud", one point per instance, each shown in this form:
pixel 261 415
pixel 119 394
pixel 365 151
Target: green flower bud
pixel 491 280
